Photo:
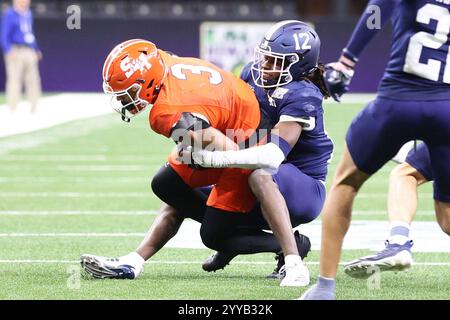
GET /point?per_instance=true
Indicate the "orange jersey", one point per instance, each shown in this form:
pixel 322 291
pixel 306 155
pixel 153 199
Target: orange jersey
pixel 197 86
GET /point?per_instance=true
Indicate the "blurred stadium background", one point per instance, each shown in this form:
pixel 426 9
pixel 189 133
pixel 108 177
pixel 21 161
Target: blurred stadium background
pixel 71 186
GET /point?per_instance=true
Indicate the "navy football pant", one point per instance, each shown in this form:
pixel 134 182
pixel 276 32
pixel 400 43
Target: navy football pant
pixel 384 125
pixel 304 198
pixel 419 159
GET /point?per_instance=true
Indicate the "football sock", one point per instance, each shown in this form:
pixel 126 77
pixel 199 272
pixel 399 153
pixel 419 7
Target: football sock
pixel 329 284
pixel 292 260
pixel 133 259
pixel 399 232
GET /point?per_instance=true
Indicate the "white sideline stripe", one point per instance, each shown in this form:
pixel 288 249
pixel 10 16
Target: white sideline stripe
pixel 435 264
pixel 150 213
pixel 51 111
pixel 78 213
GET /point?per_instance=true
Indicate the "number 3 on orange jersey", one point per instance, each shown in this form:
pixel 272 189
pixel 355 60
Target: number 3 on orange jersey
pixel 178 69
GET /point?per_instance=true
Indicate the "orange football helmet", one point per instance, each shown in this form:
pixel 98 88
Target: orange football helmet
pixel 133 74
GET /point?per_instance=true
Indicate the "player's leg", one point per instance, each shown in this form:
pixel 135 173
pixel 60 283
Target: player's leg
pixel 164 228
pixel 276 213
pixel 274 209
pixel 303 198
pixel 438 142
pixel 336 219
pixel 337 212
pixel 173 185
pixel 402 195
pixel 443 215
pixel 374 137
pixel 402 204
pixel 184 202
pixel 130 266
pixel 440 160
pixel 227 225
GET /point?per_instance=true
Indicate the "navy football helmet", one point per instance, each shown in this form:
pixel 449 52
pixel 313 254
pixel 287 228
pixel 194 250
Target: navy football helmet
pixel 289 51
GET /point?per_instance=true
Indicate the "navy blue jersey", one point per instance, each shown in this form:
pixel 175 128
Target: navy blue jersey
pixel 299 101
pixel 419 63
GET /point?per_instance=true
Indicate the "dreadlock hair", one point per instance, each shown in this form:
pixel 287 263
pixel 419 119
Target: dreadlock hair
pixel 316 77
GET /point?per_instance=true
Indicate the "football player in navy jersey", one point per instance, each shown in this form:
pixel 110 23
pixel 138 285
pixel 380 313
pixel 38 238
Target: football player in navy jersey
pixel 402 205
pixel 413 102
pixel 290 169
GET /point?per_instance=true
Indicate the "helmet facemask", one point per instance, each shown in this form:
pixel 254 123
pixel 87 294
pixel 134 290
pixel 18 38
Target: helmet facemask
pixel 271 69
pixel 126 102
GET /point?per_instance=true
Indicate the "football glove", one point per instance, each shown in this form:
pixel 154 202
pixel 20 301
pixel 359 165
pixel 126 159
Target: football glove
pixel 337 81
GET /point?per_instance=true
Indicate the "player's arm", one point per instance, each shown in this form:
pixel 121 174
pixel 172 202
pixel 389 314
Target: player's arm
pixel 268 156
pixel 374 17
pixel 194 130
pixel 339 74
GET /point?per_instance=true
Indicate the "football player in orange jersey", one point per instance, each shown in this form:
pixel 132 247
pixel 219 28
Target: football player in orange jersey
pixel 195 103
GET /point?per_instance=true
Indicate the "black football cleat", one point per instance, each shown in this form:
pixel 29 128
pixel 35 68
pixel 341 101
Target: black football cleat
pixel 217 261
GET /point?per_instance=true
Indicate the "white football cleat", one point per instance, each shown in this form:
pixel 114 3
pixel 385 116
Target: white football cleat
pixel 126 267
pixel 295 276
pixel 394 257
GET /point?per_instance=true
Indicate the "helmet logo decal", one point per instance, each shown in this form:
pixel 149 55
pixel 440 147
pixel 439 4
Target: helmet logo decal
pixel 297 38
pixel 130 66
pixel 265 44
